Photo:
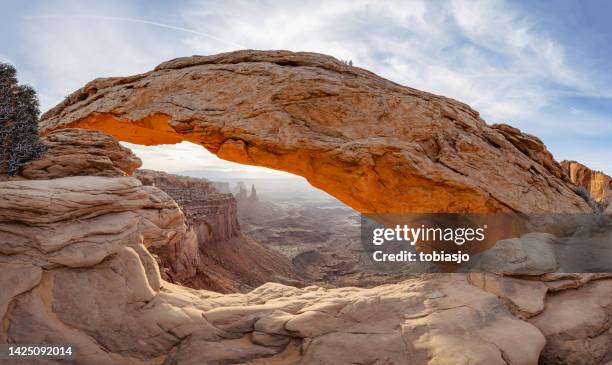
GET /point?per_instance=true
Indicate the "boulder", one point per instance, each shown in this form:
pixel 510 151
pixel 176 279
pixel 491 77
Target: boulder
pixel 576 324
pixel 531 254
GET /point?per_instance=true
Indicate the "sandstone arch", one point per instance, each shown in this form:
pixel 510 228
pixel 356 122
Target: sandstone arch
pixel 375 145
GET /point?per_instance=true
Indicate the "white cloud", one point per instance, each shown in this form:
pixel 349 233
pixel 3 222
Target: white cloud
pixel 485 53
pixel 186 156
pixel 481 52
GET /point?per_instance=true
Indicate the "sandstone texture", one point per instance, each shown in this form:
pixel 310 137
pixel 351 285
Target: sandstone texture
pixel 375 145
pixel 81 152
pixel 596 183
pixel 76 269
pixel 87 279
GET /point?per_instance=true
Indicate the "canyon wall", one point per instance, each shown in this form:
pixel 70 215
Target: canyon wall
pixel 215 254
pixel 373 144
pixel 211 214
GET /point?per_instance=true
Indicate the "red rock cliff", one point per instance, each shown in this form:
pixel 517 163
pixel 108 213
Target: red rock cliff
pixel 596 183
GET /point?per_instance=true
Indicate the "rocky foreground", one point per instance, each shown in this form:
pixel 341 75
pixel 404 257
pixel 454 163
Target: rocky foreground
pixel 76 269
pixel 74 250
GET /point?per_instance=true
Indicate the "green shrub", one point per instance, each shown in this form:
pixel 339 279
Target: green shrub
pixel 19 140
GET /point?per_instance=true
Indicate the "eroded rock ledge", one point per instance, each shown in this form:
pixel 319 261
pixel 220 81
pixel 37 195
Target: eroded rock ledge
pixel 76 269
pixel 376 145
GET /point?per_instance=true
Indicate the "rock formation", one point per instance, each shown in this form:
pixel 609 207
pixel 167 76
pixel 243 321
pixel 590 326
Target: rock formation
pixel 596 183
pixel 94 285
pixel 82 152
pixel 212 214
pixel 253 194
pixel 74 251
pixel 375 145
pixel 215 254
pixel 222 187
pixel 211 253
pixel 240 192
pixel 239 186
pixel 76 270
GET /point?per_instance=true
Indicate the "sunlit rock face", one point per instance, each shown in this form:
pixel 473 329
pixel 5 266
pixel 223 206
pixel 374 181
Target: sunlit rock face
pixel 374 144
pixel 596 183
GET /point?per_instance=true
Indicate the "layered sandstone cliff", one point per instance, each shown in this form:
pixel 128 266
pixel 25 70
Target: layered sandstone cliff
pixel 212 215
pixel 375 145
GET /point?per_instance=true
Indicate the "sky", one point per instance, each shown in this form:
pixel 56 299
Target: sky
pixel 542 66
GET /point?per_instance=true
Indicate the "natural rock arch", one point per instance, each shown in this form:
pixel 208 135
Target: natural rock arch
pixel 375 145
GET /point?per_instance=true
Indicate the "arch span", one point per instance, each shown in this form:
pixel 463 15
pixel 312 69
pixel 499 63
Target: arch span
pixel 375 145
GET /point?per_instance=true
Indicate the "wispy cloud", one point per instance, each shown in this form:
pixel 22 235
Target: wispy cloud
pixel 132 20
pixel 490 54
pixel 481 52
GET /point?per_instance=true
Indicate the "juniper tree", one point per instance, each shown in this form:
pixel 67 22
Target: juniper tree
pixel 19 140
